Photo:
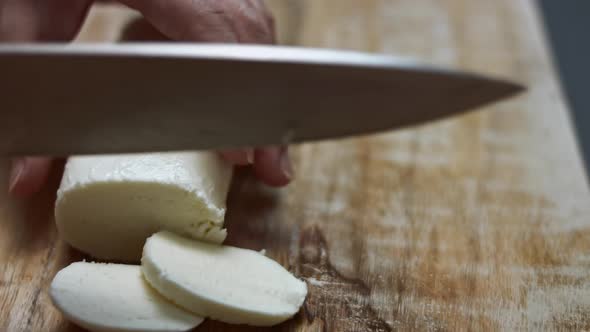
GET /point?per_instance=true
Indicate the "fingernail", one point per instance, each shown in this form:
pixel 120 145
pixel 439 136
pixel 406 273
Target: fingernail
pixel 286 165
pixel 18 166
pixel 250 156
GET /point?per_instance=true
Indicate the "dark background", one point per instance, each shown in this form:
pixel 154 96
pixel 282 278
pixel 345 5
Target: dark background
pixel 567 23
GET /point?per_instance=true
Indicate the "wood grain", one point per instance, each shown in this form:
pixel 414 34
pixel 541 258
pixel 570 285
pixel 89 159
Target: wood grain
pixel 475 223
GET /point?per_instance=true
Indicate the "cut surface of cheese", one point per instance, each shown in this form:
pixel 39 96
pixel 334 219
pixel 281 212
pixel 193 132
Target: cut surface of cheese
pixel 108 205
pixel 115 297
pixel 224 283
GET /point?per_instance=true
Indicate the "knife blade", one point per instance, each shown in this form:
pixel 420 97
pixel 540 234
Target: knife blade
pixel 119 98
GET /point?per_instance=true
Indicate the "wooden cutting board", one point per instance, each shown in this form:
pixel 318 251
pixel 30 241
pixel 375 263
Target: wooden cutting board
pixel 478 222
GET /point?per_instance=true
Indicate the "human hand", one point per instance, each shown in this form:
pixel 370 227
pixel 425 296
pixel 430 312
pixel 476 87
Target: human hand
pixel 233 21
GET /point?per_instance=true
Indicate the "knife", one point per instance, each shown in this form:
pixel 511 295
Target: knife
pixel 61 99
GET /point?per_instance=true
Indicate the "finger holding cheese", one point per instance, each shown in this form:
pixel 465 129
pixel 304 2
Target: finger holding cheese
pixel 108 205
pixel 224 283
pixel 115 297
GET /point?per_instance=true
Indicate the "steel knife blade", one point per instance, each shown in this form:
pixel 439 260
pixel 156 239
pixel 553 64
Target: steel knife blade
pixel 61 99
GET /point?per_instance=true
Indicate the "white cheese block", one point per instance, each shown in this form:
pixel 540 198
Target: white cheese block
pixel 108 205
pixel 224 283
pixel 115 297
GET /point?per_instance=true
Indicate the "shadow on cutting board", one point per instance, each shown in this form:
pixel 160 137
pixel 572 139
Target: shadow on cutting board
pixel 29 223
pixel 251 208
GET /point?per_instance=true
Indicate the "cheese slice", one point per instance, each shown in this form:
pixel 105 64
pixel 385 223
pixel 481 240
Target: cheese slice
pixel 224 283
pixel 108 205
pixel 115 297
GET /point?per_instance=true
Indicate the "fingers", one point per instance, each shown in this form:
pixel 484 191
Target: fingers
pixel 242 157
pixel 273 166
pixel 48 20
pixel 208 20
pixel 28 175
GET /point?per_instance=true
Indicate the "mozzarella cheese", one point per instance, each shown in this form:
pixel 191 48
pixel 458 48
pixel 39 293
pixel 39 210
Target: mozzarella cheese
pixel 115 297
pixel 224 283
pixel 108 205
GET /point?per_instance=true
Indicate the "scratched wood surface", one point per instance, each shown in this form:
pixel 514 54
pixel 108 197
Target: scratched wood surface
pixel 474 223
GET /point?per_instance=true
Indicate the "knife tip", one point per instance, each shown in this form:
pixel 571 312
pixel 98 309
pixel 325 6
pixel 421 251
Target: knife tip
pixel 514 88
pixel 501 89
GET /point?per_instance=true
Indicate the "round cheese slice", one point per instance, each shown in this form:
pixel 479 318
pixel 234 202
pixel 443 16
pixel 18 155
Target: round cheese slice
pixel 108 205
pixel 115 297
pixel 224 283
